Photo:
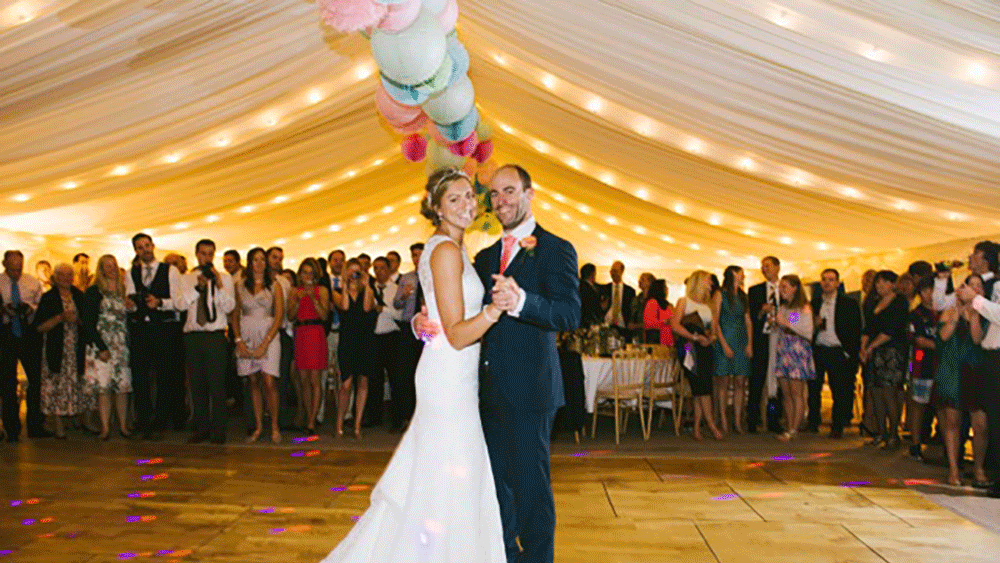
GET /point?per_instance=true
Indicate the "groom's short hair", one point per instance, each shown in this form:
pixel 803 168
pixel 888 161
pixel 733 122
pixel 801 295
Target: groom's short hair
pixel 522 174
pixel 587 271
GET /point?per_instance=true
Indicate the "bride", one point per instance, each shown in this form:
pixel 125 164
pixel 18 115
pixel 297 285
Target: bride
pixel 436 501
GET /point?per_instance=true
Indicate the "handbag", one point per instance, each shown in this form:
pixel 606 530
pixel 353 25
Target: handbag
pixel 692 323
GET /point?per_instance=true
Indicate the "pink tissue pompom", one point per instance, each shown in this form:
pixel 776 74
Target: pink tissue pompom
pixel 465 147
pixel 414 147
pixel 483 152
pixel 400 16
pixel 352 15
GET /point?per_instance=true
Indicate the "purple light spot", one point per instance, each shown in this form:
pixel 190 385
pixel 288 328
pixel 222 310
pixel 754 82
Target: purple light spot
pixel 164 552
pixel 298 454
pixel 15 503
pixel 783 458
pixel 267 510
pixel 142 462
pixel 72 535
pixel 298 440
pixel 131 519
pixel 581 454
pixel 355 518
pixel 276 531
pixel 135 495
pixel 6 552
pixel 338 489
pixel 147 477
pixel 793 317
pixel 729 496
pixel 855 483
pixel 128 555
pixel 28 522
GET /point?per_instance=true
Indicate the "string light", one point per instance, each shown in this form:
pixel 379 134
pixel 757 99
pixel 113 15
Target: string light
pixel 500 59
pixel 850 192
pixel 611 220
pixel 786 240
pixel 746 163
pixel 70 185
pixel 172 158
pixel 307 235
pixel 362 71
pixel 351 173
pixel 280 199
pixel 314 188
pixel 714 220
pixel 540 146
pixel 875 54
pixel 360 219
pixel 573 162
pixel 21 198
pixel 976 71
pixel 549 81
pixel 314 96
pixel 388 209
pixel 822 246
pixel 246 209
pixel 679 208
pixel 393 229
pixel 411 221
pixel 181 226
pixel 212 219
pixel 334 228
pixel 694 145
pixel 608 178
pixel 642 193
pixel 595 104
pixel 222 141
pixel 667 239
pixel 120 170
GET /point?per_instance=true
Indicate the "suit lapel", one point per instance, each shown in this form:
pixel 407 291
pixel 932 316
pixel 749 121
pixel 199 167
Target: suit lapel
pixel 522 256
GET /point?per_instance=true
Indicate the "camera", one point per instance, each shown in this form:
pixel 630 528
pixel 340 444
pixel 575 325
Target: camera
pixel 207 272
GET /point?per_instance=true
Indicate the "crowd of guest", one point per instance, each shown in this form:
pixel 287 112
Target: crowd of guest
pixel 758 358
pixel 160 346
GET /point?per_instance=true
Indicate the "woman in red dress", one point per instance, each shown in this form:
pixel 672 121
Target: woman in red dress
pixel 308 307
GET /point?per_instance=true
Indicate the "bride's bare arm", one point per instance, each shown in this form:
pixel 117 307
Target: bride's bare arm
pixel 446 265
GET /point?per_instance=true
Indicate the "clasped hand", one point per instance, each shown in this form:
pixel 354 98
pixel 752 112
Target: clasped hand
pixel 506 295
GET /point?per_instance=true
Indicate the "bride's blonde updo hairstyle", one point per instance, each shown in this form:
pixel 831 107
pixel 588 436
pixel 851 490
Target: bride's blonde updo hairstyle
pixel 436 186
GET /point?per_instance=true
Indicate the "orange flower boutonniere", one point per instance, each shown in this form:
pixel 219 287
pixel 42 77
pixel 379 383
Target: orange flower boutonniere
pixel 529 243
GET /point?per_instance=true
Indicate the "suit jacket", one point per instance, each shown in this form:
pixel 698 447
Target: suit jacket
pixel 590 306
pixel 757 298
pixel 847 324
pixel 628 294
pixel 519 364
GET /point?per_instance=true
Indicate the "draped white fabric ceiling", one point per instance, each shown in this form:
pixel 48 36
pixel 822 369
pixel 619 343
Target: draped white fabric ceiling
pixel 670 133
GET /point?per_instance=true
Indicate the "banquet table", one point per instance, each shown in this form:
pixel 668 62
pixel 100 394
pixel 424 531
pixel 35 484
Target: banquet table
pixel 597 375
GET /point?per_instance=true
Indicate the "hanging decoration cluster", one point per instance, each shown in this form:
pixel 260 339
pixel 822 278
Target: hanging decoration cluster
pixel 424 92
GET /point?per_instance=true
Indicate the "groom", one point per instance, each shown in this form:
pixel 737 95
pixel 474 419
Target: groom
pixel 532 274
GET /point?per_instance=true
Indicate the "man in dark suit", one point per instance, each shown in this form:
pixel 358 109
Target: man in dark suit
pixel 835 350
pixel 590 297
pixel 616 299
pixel 531 273
pixel 763 299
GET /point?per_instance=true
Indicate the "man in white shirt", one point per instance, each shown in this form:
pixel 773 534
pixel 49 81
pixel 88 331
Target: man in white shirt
pixel 394 262
pixel 617 299
pixel 153 290
pixel 20 342
pixel 387 337
pixel 835 351
pixel 208 297
pixel 763 299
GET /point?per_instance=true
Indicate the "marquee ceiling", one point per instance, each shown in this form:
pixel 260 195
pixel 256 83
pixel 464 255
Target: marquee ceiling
pixel 672 134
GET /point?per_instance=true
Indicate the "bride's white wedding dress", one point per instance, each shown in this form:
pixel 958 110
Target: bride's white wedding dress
pixel 436 501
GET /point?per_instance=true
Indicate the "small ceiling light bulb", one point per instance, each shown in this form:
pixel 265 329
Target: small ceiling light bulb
pixel 695 146
pixel 280 199
pixel 746 163
pixel 977 71
pixel 21 198
pixel 393 229
pixel 361 219
pixel 212 219
pixel 667 239
pixel 608 178
pixel 172 158
pixel 850 192
pixel 411 221
pixel 362 71
pixel 642 193
pixel 694 246
pixel 680 208
pixel 573 162
pixel 120 170
pixel 786 240
pixel 307 235
pixel 378 162
pixel 70 185
pixel 314 96
pixel 541 146
pixel 505 128
pixel 595 104
pixel 388 209
pixel 314 188
pixel 611 220
pixel 500 59
pixel 822 246
pixel 334 228
pixel 246 209
pixel 584 209
pixel 222 141
pixel 640 230
pixel 549 81
pixel 714 220
pixel 181 226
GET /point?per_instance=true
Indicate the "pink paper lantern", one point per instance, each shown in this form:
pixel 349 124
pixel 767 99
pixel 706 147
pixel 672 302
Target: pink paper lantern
pixel 395 113
pixel 483 152
pixel 352 15
pixel 414 147
pixel 400 16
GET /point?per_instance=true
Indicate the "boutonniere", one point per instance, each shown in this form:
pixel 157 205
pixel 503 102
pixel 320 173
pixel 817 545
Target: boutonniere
pixel 529 243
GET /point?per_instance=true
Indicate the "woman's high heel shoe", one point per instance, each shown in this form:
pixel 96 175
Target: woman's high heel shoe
pixel 253 437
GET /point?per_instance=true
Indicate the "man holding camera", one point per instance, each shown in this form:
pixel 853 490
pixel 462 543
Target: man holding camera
pixel 208 297
pixel 153 289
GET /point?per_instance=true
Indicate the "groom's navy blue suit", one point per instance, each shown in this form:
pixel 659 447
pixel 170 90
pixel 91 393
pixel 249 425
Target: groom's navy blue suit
pixel 521 387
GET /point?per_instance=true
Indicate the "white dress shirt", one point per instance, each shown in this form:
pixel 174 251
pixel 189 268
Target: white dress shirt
pixel 828 313
pixel 30 290
pixel 222 301
pixel 173 277
pixel 990 310
pixel 942 299
pixel 286 290
pixel 617 292
pixel 519 232
pixel 387 318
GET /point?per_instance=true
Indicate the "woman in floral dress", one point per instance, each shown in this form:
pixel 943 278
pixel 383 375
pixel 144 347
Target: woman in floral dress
pixel 794 366
pixel 58 320
pixel 105 335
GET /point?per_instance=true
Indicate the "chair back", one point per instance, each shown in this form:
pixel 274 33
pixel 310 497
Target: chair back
pixel 629 370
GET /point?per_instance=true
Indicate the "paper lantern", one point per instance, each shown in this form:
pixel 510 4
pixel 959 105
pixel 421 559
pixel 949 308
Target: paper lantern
pixel 439 157
pixel 393 111
pixel 448 17
pixel 351 15
pixel 461 129
pixel 453 103
pixel 400 16
pixel 435 6
pixel 459 56
pixel 416 95
pixel 414 126
pixel 413 55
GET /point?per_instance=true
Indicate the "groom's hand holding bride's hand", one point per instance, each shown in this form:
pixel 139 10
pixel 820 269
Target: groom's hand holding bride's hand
pixel 506 293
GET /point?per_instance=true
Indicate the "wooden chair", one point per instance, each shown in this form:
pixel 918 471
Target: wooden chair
pixel 629 369
pixel 666 386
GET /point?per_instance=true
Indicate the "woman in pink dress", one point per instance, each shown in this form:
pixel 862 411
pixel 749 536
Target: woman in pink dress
pixel 308 307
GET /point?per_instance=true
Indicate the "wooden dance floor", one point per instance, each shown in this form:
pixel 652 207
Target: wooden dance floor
pixel 80 501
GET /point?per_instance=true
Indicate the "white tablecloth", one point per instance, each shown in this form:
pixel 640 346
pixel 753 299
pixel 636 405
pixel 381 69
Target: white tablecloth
pixel 597 375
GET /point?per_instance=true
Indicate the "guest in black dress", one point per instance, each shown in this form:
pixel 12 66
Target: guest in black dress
pixel 355 348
